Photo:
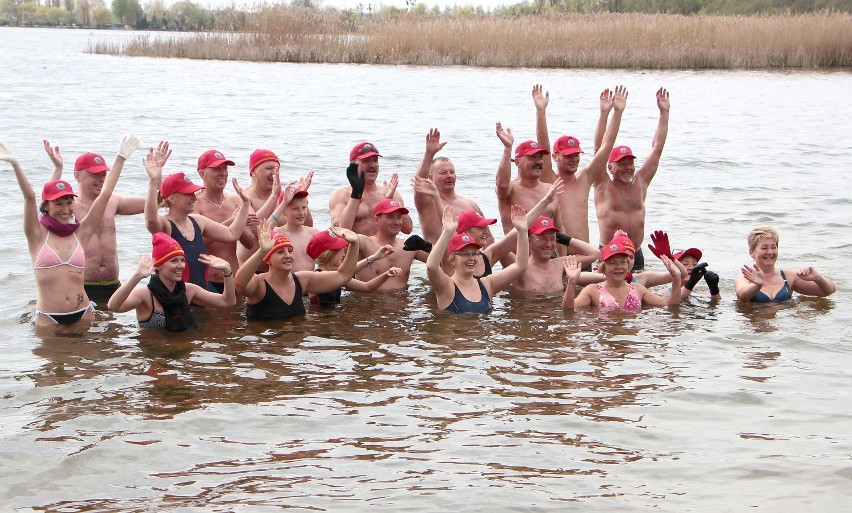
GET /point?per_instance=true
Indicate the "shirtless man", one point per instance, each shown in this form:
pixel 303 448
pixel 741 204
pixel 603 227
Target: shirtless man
pixel 292 212
pixel 527 189
pixel 388 217
pixel 442 172
pixel 620 200
pixel 352 206
pixel 544 273
pixel 214 204
pixel 574 202
pixel 101 271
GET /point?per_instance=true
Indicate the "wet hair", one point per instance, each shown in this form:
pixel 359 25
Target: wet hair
pixel 761 232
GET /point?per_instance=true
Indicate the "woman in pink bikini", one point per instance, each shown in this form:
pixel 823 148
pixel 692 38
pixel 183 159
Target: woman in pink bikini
pixel 56 240
pixel 616 293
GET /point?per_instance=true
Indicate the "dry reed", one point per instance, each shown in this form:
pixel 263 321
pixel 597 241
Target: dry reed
pixel 603 40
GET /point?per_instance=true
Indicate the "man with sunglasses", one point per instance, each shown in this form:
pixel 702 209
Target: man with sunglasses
pixel 352 206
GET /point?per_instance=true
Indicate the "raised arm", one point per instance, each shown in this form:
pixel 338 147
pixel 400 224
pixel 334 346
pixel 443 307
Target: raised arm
pixel 326 281
pixel 392 193
pixel 504 169
pixel 605 107
pixel 91 223
pixel 596 170
pixel 429 207
pixel 441 283
pixel 433 146
pixel 246 281
pixel 153 163
pixel 56 158
pixel 541 99
pixel 32 228
pixel 504 277
pixel 268 207
pixel 649 168
pixel 572 274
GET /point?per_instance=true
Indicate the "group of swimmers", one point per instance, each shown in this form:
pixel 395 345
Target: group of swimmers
pixel 260 243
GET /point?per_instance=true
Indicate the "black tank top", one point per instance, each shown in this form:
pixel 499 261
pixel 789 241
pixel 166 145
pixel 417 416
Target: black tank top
pixel 195 272
pixel 273 307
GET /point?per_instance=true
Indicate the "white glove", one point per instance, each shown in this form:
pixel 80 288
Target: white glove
pixel 128 145
pixel 7 155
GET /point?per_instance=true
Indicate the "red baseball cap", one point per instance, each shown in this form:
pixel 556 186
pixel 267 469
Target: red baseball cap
pixel 619 245
pixel 693 252
pixel 387 206
pixel 213 158
pixel 55 189
pixel 528 148
pixel 567 145
pixel 542 224
pixel 177 182
pixel 462 240
pixel 470 218
pixel 300 193
pixel 91 162
pixel 260 156
pixel 324 241
pixel 363 150
pixel 620 152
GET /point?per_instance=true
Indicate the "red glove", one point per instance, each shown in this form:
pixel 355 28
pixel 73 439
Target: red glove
pixel 661 244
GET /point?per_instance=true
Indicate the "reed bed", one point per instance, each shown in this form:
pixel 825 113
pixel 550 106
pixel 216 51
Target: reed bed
pixel 602 40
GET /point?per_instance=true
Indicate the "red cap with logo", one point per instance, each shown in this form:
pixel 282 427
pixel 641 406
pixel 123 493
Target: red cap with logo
pixel 300 193
pixel 528 148
pixel 462 240
pixel 693 252
pixel 387 206
pixel 177 182
pixel 619 245
pixel 55 189
pixel 542 224
pixel 91 162
pixel 260 156
pixel 324 241
pixel 213 158
pixel 620 152
pixel 470 218
pixel 567 145
pixel 363 150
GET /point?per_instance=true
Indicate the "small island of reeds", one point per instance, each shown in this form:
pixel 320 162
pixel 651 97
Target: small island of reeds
pixel 544 40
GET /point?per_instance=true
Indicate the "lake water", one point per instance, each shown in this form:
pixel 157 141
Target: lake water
pixel 387 404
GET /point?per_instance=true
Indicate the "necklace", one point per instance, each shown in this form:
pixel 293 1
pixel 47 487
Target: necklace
pixel 217 205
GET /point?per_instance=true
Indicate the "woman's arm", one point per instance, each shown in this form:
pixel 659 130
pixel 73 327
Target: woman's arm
pixel 153 163
pixel 32 228
pixel 572 273
pixel 246 281
pixel 808 281
pixel 504 277
pixel 441 283
pixel 748 283
pixel 374 284
pixel 380 254
pixel 325 281
pixel 210 299
pixel 124 298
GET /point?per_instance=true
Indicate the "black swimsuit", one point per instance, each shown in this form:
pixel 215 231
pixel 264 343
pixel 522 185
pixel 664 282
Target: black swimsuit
pixel 273 307
pixel 196 272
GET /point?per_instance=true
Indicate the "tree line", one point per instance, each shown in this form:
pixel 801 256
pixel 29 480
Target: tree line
pixel 185 15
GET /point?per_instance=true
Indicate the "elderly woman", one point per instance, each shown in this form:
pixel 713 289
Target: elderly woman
pixel 464 291
pixel 616 293
pixel 164 303
pixel 762 283
pixel 56 240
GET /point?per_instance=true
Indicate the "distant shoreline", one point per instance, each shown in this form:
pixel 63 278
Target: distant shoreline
pixel 600 40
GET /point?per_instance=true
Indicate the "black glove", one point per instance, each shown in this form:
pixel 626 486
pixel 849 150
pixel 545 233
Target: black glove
pixel 696 275
pixel 563 239
pixel 416 243
pixel 712 280
pixel 357 182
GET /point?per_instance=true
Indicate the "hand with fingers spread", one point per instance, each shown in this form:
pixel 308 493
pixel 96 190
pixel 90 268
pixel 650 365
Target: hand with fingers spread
pixel 519 218
pixel 433 142
pixel 161 154
pixel 216 263
pixel 660 246
pixel 606 100
pixel 425 186
pixel 572 269
pixel 753 274
pixel 390 186
pixel 53 154
pixel 346 234
pixel 448 220
pixel 540 98
pixel 619 99
pixel 663 100
pixel 240 192
pixel 505 135
pixel 145 267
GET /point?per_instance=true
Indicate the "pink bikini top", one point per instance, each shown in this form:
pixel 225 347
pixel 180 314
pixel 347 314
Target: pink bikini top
pixel 631 304
pixel 48 259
